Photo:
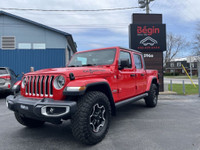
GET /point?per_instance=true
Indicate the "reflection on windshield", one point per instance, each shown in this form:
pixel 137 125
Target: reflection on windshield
pixel 93 58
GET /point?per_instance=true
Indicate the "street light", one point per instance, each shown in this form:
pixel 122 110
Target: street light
pixel 145 3
pixel 142 3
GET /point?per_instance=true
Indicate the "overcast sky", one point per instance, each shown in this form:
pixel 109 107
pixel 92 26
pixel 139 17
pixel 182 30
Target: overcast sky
pixel 102 29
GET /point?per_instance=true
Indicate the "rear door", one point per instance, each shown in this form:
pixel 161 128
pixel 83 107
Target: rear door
pixel 140 72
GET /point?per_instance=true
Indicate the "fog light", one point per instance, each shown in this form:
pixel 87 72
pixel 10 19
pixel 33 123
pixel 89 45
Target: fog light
pixel 54 111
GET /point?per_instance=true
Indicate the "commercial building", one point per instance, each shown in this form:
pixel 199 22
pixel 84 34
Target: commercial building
pixel 175 65
pixel 25 43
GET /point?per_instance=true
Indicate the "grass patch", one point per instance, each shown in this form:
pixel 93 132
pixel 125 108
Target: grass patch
pixel 181 77
pixel 189 89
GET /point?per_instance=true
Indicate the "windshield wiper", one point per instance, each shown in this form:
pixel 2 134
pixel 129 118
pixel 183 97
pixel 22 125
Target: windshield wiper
pixel 89 65
pixel 72 66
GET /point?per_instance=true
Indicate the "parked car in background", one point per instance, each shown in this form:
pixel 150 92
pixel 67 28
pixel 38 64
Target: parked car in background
pixel 7 79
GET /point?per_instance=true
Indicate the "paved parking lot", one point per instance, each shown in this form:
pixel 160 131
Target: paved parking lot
pixel 172 125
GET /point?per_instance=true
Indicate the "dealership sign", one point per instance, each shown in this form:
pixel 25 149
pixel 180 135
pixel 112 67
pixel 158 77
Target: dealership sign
pixel 148 37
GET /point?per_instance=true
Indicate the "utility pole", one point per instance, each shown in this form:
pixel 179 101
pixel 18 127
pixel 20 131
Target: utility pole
pixel 147 6
pixel 198 65
pixel 190 66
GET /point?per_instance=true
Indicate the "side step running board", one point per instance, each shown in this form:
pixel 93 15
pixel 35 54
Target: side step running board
pixel 130 100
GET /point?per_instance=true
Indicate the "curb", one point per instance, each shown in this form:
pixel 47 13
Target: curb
pixel 168 93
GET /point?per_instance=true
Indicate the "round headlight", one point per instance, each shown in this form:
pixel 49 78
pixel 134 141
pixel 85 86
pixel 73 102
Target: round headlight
pixel 59 82
pixel 23 82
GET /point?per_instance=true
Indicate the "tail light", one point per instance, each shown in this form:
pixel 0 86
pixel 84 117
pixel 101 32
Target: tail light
pixel 6 77
pixel 9 86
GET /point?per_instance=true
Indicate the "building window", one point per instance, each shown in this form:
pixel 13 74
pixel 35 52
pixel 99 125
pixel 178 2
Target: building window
pixel 171 70
pixel 39 46
pixel 178 64
pixel 24 46
pixel 192 65
pixel 171 64
pixel 8 42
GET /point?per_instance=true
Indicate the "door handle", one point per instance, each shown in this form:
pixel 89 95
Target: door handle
pixel 142 74
pixel 133 75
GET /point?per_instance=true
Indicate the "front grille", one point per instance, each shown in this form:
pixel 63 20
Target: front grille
pixel 39 86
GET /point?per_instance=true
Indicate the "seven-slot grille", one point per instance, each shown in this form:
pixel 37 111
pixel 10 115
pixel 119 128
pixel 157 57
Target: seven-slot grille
pixel 39 86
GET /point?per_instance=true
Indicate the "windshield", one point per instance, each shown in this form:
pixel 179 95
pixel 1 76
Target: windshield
pixel 93 58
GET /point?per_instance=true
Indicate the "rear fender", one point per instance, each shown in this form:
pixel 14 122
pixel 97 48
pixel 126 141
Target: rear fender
pixel 152 80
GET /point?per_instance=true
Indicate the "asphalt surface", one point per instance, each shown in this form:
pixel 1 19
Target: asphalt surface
pixel 173 125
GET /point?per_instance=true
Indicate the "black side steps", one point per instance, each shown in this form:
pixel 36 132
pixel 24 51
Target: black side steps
pixel 130 100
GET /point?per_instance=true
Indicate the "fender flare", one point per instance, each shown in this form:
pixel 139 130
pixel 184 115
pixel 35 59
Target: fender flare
pixel 150 81
pixel 98 85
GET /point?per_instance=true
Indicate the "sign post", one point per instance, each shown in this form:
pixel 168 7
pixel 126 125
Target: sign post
pixel 198 65
pixel 147 34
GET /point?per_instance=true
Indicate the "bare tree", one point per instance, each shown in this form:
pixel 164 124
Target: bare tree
pixel 197 41
pixel 175 44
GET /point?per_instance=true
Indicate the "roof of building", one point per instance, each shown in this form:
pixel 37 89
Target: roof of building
pixel 188 59
pixel 179 59
pixel 67 35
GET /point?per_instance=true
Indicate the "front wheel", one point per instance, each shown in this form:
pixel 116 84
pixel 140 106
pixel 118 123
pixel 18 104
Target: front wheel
pixel 91 121
pixel 32 123
pixel 152 99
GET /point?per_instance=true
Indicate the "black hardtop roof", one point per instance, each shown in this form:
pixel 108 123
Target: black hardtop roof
pixel 133 50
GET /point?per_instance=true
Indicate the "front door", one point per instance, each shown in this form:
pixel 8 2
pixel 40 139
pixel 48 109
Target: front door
pixel 126 81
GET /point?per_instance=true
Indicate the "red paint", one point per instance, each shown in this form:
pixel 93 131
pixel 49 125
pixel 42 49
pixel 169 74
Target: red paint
pixel 121 83
pixel 149 31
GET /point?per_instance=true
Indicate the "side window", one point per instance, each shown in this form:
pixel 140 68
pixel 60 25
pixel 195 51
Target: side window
pixel 138 61
pixel 125 56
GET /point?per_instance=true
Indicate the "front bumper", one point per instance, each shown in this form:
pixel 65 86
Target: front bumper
pixel 5 89
pixel 46 109
pixel 5 86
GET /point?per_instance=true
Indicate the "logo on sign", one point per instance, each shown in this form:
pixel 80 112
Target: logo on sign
pixel 148 41
pixel 148 30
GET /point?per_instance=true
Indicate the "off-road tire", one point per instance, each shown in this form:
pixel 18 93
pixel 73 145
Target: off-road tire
pixel 152 98
pixel 81 120
pixel 31 123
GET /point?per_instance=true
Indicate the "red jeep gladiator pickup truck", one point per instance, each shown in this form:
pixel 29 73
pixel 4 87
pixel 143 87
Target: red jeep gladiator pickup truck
pixel 87 91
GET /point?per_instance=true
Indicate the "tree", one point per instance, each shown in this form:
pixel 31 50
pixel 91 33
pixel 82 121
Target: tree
pixel 175 44
pixel 197 41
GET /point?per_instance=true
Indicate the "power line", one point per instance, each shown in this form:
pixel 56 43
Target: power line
pixel 69 10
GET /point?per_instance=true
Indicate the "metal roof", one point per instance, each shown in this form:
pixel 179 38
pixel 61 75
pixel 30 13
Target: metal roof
pixel 41 25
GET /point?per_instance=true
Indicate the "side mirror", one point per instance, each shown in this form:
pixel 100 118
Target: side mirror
pixel 123 64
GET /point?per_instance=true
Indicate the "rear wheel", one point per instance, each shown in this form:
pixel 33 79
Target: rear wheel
pixel 32 123
pixel 91 121
pixel 152 99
